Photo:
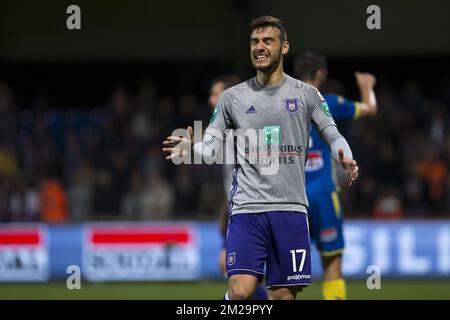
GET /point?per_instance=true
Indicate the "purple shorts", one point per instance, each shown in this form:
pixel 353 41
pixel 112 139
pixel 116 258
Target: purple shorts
pixel 272 243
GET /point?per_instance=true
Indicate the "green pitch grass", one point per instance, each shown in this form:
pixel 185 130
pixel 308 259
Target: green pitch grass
pixel 390 289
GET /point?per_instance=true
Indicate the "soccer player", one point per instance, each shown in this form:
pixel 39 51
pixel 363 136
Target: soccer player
pixel 268 226
pixel 220 84
pixel 325 211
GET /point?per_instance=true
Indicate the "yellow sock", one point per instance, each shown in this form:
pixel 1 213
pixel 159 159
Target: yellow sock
pixel 334 290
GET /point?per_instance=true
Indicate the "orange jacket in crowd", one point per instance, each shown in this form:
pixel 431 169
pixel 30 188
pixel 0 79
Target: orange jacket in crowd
pixel 53 202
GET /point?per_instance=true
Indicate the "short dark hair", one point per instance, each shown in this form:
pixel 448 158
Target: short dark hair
pixel 228 80
pixel 307 64
pixel 269 21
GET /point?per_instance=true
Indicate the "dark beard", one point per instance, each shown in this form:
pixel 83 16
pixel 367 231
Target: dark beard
pixel 271 67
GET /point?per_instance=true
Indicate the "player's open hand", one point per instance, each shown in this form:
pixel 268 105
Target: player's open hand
pixel 178 146
pixel 349 165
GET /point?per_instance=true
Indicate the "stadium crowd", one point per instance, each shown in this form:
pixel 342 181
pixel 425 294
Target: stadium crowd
pixel 105 162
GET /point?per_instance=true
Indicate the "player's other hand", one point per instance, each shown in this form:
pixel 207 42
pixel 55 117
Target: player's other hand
pixel 349 165
pixel 178 146
pixel 365 79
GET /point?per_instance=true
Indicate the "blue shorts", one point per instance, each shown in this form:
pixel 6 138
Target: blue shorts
pixel 325 221
pixel 274 243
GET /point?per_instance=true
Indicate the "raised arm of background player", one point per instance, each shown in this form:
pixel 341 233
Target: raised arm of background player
pixel 368 105
pixel 342 108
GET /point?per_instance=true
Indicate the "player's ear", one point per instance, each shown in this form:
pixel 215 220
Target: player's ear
pixel 285 48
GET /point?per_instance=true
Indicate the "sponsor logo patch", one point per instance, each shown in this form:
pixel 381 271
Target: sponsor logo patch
pixel 328 235
pixel 299 277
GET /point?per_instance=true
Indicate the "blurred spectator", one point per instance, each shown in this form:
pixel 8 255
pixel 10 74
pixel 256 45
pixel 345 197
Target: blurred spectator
pixel 415 191
pixel 80 192
pixel 144 105
pixel 157 198
pixel 53 201
pixel 8 116
pixel 132 206
pixel 106 202
pixel 434 170
pixel 387 168
pixel 388 205
pixel 8 162
pixel 32 203
pixel 438 125
pixel 186 190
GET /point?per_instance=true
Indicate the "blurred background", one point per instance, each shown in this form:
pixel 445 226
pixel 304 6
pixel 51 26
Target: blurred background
pixel 83 113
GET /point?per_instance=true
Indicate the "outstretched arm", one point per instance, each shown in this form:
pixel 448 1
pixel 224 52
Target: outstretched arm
pixel 341 151
pixel 208 148
pixel 178 146
pixel 212 143
pixel 326 126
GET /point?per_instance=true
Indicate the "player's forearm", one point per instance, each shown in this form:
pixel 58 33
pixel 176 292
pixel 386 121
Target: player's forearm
pixel 335 142
pixel 368 98
pixel 210 146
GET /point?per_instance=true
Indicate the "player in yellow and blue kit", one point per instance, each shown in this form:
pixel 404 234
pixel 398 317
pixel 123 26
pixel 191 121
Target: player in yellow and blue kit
pixel 325 210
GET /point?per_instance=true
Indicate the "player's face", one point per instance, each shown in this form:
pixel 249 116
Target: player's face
pixel 266 49
pixel 216 90
pixel 321 76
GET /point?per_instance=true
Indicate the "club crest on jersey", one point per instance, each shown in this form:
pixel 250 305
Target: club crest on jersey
pixel 231 258
pixel 291 105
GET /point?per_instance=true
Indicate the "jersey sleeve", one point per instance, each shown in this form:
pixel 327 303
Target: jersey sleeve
pixel 221 118
pixel 342 108
pixel 320 113
pixel 209 148
pixel 322 118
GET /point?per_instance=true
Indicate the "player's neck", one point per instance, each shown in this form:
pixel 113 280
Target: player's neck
pixel 271 79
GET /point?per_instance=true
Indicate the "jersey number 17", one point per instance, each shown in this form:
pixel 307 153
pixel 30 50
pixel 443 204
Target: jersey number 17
pixel 294 259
